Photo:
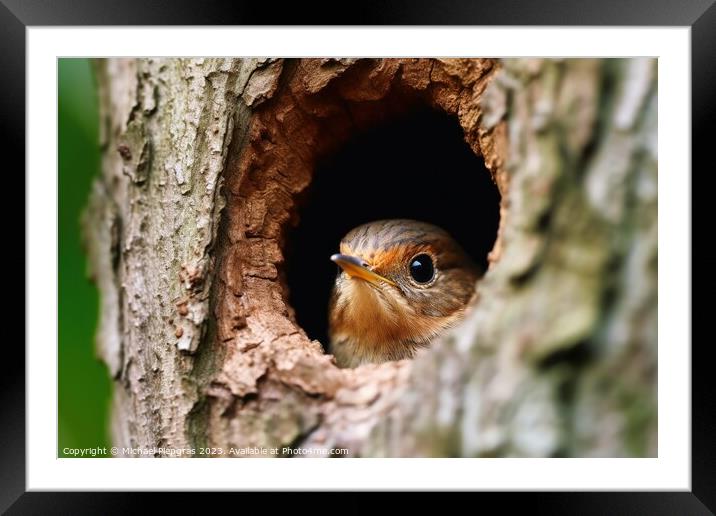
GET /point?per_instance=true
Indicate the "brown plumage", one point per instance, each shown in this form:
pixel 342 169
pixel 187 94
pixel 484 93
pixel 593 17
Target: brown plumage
pixel 402 283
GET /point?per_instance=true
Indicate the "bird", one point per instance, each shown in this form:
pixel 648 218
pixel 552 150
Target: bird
pixel 400 284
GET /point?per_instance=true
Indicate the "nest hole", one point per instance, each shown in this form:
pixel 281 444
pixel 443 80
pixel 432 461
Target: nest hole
pixel 415 166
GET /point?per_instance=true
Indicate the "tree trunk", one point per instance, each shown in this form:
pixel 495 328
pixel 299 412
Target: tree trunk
pixel 204 162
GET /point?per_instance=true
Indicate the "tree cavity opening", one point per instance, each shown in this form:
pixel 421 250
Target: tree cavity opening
pixel 416 166
pixel 332 144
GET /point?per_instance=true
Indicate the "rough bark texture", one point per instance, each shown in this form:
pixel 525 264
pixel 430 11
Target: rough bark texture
pixel 204 164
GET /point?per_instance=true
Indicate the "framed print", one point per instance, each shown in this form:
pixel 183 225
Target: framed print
pixel 455 257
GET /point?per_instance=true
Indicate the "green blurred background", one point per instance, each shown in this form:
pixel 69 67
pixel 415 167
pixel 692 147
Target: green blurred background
pixel 84 385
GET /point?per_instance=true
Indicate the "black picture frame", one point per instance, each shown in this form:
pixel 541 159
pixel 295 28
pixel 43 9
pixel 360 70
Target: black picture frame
pixel 700 15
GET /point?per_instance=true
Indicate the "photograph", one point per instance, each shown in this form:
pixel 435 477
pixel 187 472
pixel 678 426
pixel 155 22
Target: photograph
pixel 357 257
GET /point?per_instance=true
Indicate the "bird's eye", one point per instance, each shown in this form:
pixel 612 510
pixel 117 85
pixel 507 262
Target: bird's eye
pixel 422 269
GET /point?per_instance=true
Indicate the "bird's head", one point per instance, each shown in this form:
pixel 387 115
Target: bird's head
pixel 401 283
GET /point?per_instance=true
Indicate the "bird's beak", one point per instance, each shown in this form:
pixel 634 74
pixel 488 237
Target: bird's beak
pixel 354 267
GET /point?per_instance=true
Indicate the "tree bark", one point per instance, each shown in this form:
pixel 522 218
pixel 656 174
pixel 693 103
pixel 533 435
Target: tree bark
pixel 203 163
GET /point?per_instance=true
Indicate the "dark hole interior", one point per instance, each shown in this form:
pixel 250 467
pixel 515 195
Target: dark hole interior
pixel 417 167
